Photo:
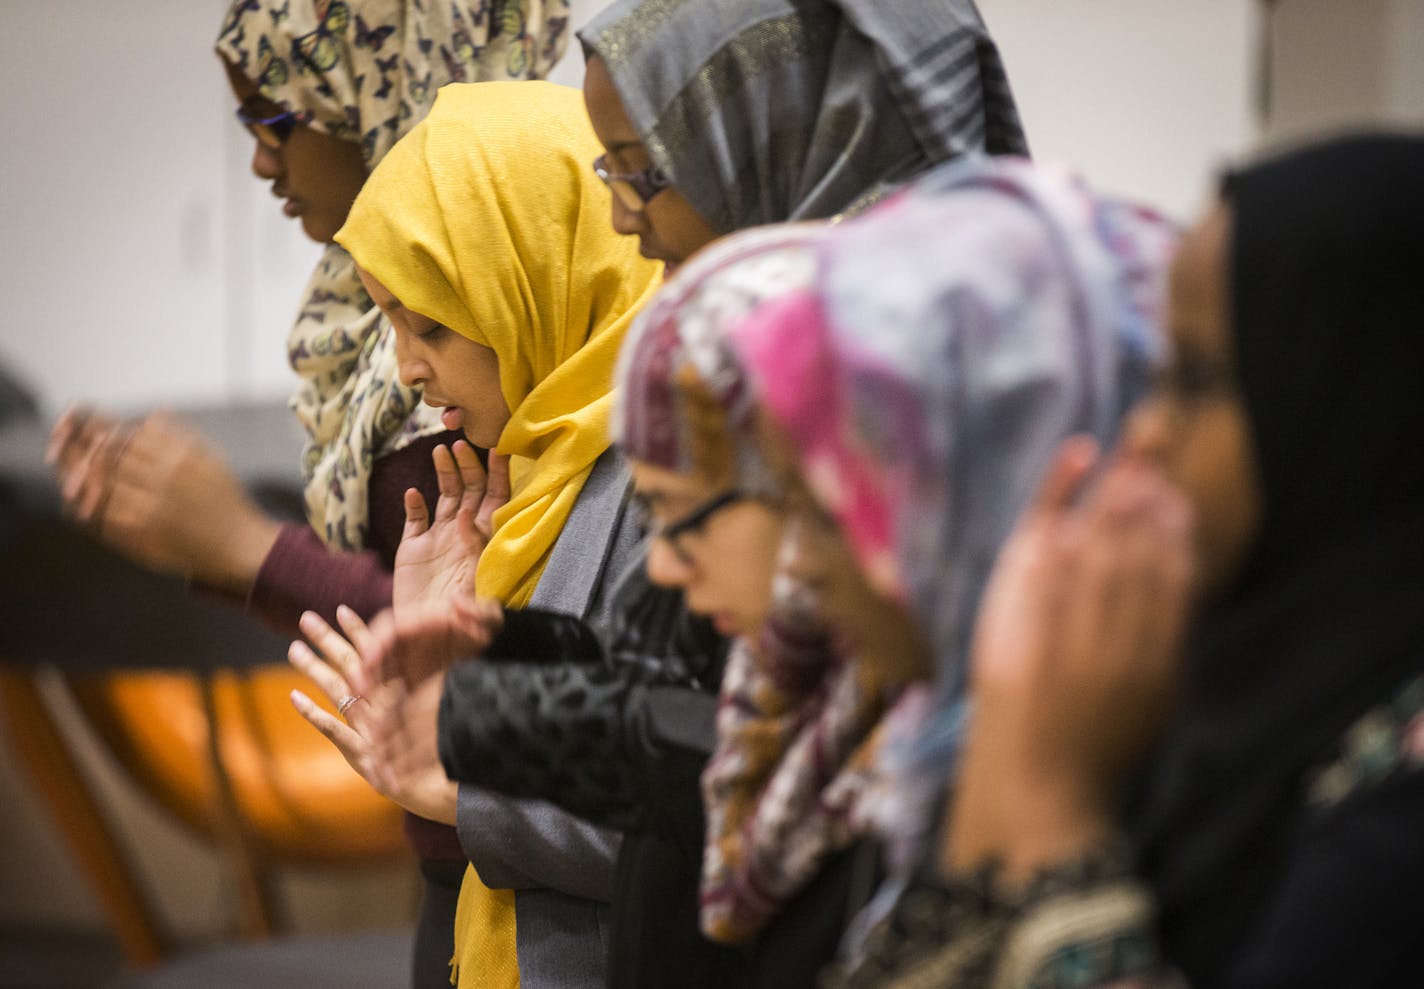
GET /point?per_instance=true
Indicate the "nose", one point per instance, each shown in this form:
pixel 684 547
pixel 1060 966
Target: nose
pixel 410 367
pixel 664 567
pixel 266 163
pixel 627 221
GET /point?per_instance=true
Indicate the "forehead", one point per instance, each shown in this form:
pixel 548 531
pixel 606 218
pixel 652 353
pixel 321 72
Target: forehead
pixel 659 483
pixel 379 294
pixel 1199 300
pixel 605 108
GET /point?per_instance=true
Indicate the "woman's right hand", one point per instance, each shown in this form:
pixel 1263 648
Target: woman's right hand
pixel 1074 663
pixel 437 557
pixel 157 493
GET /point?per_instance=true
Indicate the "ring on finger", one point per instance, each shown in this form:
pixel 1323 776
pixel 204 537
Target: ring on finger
pixel 346 702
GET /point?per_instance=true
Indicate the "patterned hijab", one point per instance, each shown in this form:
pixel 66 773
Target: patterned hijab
pixel 955 336
pixel 488 219
pixel 367 72
pixel 767 110
pixel 796 715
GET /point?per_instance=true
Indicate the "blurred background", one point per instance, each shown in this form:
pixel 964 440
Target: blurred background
pixel 142 264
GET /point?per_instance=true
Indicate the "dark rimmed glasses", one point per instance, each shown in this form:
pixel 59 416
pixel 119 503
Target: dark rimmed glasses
pixel 270 132
pixel 633 189
pixel 690 524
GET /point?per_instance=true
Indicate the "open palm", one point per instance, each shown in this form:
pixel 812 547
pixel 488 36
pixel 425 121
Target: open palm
pixel 438 555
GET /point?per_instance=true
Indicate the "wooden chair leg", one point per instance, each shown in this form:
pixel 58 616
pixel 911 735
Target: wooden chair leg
pixel 259 912
pixel 39 746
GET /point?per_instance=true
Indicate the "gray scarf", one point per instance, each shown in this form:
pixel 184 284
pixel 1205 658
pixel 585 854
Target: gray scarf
pixel 762 111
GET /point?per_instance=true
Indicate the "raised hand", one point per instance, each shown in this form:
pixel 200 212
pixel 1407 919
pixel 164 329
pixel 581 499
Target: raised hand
pixel 407 771
pixel 438 556
pixel 83 449
pixel 156 492
pixel 426 638
pixel 1074 663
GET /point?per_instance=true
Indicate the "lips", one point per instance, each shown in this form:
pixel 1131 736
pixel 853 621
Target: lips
pixel 293 206
pixel 453 417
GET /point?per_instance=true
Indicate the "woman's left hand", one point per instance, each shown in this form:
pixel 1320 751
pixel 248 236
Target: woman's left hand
pixel 438 555
pixel 405 766
pixel 1074 663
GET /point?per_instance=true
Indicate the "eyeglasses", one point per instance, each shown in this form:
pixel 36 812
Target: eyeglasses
pixel 692 523
pixel 633 189
pixel 271 132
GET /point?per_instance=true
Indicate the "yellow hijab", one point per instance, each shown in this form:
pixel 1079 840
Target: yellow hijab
pixel 488 218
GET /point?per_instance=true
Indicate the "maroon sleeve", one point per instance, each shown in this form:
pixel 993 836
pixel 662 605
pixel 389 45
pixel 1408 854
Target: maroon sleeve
pixel 301 574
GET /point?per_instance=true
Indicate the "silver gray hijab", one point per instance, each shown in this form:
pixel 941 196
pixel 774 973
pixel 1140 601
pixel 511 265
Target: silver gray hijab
pixel 761 111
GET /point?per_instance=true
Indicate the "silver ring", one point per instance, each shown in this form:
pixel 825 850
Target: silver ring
pixel 346 702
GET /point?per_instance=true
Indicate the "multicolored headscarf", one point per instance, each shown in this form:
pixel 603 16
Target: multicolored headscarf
pixel 366 71
pixel 762 111
pixel 797 715
pixel 957 334
pixel 683 403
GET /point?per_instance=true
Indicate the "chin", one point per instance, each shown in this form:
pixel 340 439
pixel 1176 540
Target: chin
pixel 318 230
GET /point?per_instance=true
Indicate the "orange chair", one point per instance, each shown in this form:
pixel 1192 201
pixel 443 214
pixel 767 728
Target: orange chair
pixel 211 738
pixel 265 786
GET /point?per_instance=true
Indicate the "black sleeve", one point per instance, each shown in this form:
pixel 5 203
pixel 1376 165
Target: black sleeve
pixel 539 636
pixel 1346 910
pixel 605 737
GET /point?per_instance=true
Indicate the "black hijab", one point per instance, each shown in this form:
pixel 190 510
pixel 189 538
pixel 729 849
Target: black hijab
pixel 1326 619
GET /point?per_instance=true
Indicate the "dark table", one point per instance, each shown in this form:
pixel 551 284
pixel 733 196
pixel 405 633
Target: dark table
pixel 66 600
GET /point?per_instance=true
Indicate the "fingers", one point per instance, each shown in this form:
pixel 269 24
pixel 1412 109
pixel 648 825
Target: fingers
pixel 413 643
pixel 1065 476
pixel 331 646
pixel 340 734
pixel 384 648
pixel 376 657
pixel 417 516
pixel 329 680
pixel 91 477
pixel 472 475
pixel 479 620
pixel 68 436
pixel 496 493
pixel 86 485
pixel 452 487
pixel 356 631
pixel 471 538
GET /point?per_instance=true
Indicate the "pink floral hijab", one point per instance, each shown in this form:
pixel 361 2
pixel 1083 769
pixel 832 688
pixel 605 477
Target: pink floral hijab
pixel 954 337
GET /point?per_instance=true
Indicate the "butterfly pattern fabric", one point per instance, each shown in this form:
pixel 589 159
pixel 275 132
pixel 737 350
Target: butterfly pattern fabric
pixel 367 71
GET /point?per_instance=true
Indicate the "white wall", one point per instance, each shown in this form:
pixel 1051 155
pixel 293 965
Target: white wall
pixel 140 261
pixel 1339 65
pixel 1145 97
pixel 121 240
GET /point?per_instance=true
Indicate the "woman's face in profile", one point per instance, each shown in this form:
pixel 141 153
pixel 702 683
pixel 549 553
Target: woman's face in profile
pixel 456 375
pixel 315 175
pixel 1195 424
pixel 720 553
pixel 667 226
